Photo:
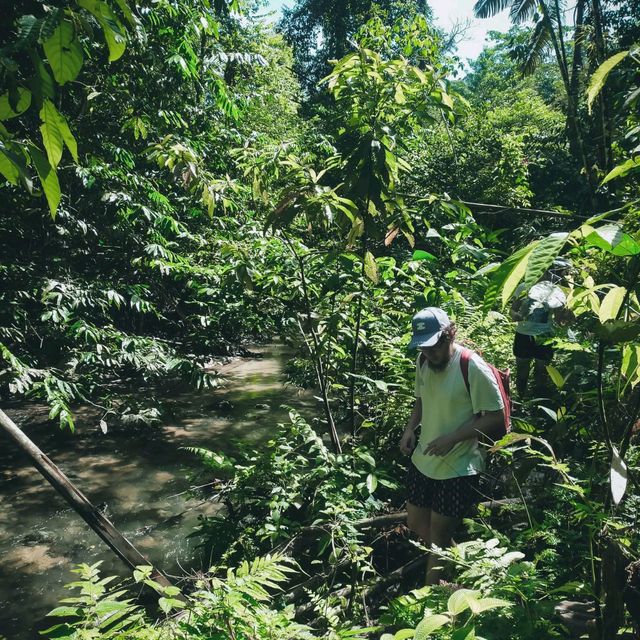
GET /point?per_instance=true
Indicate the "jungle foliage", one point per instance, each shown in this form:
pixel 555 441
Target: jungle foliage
pixel 166 203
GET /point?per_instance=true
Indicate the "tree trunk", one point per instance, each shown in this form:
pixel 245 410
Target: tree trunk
pixel 356 341
pixel 314 352
pixel 576 141
pixel 90 514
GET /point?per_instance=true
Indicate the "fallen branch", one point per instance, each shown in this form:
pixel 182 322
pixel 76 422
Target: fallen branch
pixel 298 591
pixel 372 586
pixel 378 522
pixel 87 511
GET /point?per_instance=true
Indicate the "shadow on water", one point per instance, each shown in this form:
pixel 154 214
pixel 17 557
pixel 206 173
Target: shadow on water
pixel 141 476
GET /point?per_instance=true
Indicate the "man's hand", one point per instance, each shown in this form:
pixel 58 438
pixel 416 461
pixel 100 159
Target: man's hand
pixel 408 442
pixel 440 446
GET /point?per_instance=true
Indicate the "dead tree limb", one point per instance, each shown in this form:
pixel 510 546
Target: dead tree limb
pixel 375 585
pixel 91 515
pixel 377 522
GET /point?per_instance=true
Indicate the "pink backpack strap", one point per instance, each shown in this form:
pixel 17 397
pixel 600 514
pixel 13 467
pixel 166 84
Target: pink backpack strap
pixel 465 356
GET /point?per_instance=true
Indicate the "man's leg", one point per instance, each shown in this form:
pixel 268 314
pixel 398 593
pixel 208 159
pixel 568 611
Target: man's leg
pixel 521 350
pixel 523 366
pixel 540 377
pixel 419 521
pixel 451 502
pixel 543 357
pixel 441 534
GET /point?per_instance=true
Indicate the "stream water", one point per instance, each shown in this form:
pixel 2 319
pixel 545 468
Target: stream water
pixel 143 478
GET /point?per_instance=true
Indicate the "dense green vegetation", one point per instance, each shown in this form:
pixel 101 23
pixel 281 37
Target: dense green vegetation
pixel 180 179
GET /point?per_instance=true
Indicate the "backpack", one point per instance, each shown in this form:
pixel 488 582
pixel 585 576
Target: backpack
pixel 502 378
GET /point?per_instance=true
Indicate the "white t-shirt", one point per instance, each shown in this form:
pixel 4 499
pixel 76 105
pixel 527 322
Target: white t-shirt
pixel 447 405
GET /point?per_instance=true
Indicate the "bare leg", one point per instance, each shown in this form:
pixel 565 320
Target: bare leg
pixel 419 521
pixel 442 530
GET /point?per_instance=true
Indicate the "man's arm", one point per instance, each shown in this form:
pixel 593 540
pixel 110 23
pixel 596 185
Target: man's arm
pixel 408 440
pixel 490 423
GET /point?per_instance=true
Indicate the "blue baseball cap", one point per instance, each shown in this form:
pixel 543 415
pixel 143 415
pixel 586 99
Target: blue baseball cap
pixel 427 326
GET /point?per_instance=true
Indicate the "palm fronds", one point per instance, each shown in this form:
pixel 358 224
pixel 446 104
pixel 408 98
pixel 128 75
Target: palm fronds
pixel 522 10
pixel 488 8
pixel 541 39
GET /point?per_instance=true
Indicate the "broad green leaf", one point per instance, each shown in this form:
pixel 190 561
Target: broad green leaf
pixel 599 76
pixel 64 53
pixel 630 366
pixel 165 604
pixel 446 100
pixel 63 612
pixel 142 572
pixel 126 12
pixel 113 30
pixel 68 137
pixel 555 376
pixel 542 257
pixel 618 476
pixel 8 168
pixel 367 457
pixel 43 86
pixel 403 634
pixel 465 633
pixel 550 412
pixel 110 606
pixel 502 272
pixel 610 305
pixel 430 624
pixel 51 134
pixel 514 436
pixel 621 170
pixel 460 600
pixel 611 238
pixel 52 118
pixel 419 254
pixel 24 102
pixel 48 178
pixel 512 281
pixel 370 267
pixel 372 483
pixel 486 604
pixel 28 29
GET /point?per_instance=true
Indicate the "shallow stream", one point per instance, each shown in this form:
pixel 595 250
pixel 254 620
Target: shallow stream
pixel 142 478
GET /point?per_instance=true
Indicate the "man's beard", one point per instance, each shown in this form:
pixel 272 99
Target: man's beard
pixel 441 366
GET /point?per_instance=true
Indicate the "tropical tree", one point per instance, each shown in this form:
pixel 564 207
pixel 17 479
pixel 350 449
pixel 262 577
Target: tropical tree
pixel 587 48
pixel 321 31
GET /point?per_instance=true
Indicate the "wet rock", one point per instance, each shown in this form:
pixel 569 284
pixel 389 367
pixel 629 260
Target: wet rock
pixel 38 537
pixel 262 405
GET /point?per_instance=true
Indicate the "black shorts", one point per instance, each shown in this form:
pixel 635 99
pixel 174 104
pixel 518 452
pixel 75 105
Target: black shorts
pixel 453 497
pixel 526 347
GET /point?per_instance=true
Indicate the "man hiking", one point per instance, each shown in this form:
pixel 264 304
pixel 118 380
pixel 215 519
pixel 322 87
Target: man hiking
pixel 535 310
pixel 443 476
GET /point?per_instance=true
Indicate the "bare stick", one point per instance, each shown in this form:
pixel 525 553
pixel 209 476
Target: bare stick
pixel 90 514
